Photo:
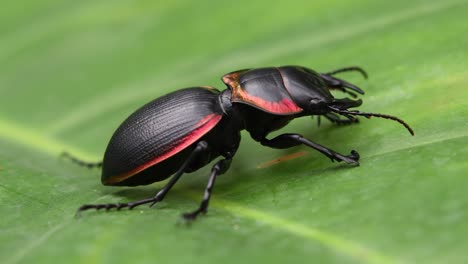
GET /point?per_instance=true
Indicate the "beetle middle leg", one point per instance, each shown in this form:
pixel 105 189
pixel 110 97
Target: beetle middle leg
pixel 201 147
pixel 290 140
pixel 219 168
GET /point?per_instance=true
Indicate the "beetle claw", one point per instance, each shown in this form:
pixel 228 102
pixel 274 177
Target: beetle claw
pixel 353 158
pixel 355 155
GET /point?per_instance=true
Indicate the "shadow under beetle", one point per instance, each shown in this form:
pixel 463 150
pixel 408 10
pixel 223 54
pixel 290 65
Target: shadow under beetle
pixel 187 129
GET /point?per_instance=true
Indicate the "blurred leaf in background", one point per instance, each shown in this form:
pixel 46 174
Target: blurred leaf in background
pixel 71 71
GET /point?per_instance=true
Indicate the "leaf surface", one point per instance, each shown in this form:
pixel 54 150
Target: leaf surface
pixel 72 71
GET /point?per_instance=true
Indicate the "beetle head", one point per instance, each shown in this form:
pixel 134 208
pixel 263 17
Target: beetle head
pixel 310 90
pixel 320 99
pixel 327 104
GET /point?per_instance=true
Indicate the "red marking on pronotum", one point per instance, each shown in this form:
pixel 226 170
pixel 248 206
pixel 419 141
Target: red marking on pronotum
pixel 201 128
pixel 283 107
pixel 281 159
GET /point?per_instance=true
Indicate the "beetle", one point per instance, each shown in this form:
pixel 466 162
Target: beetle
pixel 185 130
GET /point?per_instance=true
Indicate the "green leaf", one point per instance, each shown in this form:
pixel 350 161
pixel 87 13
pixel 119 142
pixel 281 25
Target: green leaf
pixel 73 70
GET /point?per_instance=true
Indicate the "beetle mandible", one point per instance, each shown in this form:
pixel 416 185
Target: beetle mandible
pixel 187 129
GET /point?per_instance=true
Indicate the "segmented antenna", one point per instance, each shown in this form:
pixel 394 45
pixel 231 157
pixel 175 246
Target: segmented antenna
pixel 81 162
pixel 369 115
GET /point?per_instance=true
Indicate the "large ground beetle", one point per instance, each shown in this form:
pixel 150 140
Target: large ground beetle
pixel 187 129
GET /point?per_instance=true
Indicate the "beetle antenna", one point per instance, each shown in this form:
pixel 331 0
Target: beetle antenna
pixel 346 69
pixel 369 115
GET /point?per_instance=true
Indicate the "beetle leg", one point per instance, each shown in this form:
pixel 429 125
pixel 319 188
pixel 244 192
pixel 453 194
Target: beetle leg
pixel 290 140
pixel 200 148
pixel 81 162
pixel 219 168
pixel 337 120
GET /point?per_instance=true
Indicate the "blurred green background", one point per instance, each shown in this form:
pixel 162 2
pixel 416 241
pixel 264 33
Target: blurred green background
pixel 71 71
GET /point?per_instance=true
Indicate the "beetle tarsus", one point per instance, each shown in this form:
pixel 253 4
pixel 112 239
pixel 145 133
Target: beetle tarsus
pixel 352 159
pixel 110 206
pixel 117 206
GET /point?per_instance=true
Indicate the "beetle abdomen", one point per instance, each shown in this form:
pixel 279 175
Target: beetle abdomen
pixel 158 131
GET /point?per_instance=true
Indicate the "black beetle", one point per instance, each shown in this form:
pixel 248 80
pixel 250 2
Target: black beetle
pixel 187 129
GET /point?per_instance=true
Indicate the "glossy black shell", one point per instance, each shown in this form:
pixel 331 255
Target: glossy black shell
pixel 153 130
pixel 285 90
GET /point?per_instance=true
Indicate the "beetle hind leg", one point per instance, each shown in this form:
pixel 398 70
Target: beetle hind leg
pixel 81 162
pixel 200 148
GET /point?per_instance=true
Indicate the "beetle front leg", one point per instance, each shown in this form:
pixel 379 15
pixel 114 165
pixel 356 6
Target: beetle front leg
pixel 290 140
pixel 218 169
pixel 201 147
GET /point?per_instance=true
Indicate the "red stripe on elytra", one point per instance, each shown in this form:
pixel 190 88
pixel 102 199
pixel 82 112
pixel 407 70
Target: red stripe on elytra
pixel 202 127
